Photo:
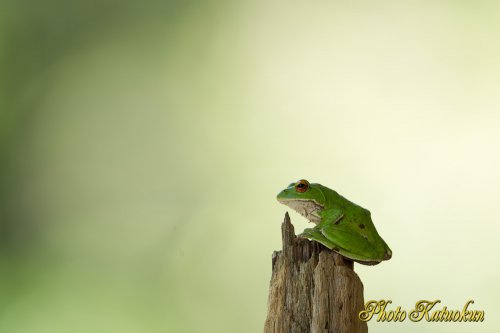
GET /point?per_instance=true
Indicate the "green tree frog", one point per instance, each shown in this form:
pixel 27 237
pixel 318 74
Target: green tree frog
pixel 341 225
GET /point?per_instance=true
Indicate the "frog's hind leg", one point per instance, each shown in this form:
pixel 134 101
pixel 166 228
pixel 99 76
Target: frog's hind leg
pixel 316 235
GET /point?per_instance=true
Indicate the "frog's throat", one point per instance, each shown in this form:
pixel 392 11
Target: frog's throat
pixel 306 207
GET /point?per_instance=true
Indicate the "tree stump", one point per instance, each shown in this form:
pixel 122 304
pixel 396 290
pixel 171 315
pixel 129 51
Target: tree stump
pixel 312 289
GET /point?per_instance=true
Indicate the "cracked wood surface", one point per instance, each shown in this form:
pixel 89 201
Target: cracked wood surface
pixel 312 289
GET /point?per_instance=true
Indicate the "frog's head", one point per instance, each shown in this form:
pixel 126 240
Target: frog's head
pixel 305 198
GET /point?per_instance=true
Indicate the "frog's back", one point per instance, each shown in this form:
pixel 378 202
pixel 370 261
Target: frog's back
pixel 333 199
pixel 358 220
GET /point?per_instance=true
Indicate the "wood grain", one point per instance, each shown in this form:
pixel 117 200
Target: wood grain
pixel 312 289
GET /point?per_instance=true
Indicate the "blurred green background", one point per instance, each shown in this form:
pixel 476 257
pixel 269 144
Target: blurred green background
pixel 142 145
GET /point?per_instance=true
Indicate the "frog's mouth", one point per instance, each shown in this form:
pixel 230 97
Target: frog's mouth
pixel 307 208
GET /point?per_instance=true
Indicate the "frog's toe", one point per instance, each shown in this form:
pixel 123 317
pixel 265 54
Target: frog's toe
pixel 307 233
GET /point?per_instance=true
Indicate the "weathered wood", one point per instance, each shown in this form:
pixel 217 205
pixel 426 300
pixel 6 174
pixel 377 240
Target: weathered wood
pixel 312 289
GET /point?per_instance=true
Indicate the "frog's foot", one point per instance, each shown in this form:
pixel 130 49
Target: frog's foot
pixel 316 235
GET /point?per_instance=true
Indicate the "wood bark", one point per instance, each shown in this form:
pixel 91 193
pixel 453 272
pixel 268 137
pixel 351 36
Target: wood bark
pixel 312 289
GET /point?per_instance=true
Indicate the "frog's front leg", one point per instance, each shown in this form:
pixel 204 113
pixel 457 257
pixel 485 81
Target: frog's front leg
pixel 332 215
pixel 316 235
pixel 329 216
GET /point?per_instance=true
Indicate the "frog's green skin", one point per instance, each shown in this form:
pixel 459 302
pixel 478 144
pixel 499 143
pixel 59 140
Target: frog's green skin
pixel 341 225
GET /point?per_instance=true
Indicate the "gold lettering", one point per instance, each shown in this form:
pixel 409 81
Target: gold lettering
pixel 477 315
pixel 435 316
pixel 382 314
pixel 400 315
pixel 444 312
pixel 370 308
pixel 463 316
pixel 422 309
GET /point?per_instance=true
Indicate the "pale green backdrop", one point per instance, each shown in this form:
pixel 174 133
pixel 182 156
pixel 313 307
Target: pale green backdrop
pixel 142 145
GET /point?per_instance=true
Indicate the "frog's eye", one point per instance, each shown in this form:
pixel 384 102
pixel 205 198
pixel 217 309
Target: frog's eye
pixel 302 186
